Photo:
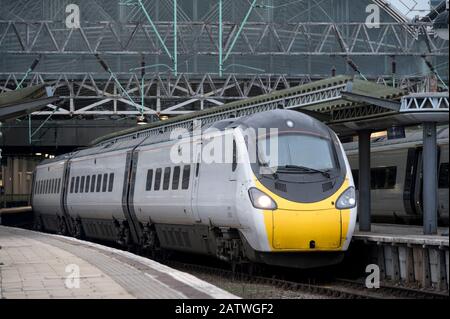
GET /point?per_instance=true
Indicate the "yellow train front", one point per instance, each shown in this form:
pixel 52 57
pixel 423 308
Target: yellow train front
pixel 300 189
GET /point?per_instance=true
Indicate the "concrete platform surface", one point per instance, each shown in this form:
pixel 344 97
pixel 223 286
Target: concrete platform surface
pixel 403 234
pixel 40 266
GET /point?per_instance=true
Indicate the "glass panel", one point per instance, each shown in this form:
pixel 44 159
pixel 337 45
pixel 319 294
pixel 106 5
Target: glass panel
pixel 77 184
pixel 105 182
pixel 111 182
pixel 93 183
pixel 297 150
pixel 88 184
pixel 99 183
pixel 72 184
pixel 148 183
pixel 166 182
pixel 176 178
pixel 82 184
pixel 186 177
pixel 158 179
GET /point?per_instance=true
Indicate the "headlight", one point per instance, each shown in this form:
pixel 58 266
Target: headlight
pixel 261 200
pixel 347 199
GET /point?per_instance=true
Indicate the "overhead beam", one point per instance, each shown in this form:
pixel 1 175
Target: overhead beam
pixel 365 99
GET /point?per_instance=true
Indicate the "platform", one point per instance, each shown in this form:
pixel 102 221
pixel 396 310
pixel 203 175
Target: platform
pixel 405 255
pixel 41 266
pixel 403 234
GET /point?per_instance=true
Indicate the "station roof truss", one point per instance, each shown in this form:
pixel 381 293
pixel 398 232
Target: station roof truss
pixel 254 34
pixel 96 94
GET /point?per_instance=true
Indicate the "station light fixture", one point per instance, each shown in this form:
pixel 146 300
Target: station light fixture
pixel 142 120
pixel 38 154
pixel 163 117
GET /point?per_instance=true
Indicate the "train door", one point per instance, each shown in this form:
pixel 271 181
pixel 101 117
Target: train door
pixel 418 189
pixel 443 182
pixel 419 181
pixel 195 181
pixel 412 184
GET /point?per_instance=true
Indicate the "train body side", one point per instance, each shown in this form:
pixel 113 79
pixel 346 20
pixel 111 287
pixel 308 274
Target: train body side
pixel 134 193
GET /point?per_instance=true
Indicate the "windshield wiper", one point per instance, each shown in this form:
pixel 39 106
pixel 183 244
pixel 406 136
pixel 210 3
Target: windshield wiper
pixel 304 169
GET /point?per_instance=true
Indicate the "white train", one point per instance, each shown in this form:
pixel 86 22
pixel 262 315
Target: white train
pixel 396 177
pixel 132 192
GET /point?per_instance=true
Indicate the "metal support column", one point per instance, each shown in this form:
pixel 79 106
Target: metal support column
pixel 175 39
pixel 429 179
pixel 364 200
pixel 220 38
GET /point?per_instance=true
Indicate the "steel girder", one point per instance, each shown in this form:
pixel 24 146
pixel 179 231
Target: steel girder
pixel 200 38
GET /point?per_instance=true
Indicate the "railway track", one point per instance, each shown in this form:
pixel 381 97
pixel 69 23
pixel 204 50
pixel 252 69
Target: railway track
pixel 397 291
pixel 337 288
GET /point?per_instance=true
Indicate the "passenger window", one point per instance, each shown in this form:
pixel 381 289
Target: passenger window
pixel 166 182
pixel 234 165
pixel 176 178
pixel 54 185
pixel 93 184
pixel 99 183
pixel 443 176
pixel 77 184
pixel 111 182
pixel 59 186
pixel 186 177
pixel 197 169
pixel 72 184
pixel 148 183
pixel 383 177
pixel 158 179
pixel 105 182
pixel 88 184
pixel 82 184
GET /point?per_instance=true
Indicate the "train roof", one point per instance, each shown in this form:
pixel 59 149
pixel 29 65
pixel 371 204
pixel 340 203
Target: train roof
pixel 411 137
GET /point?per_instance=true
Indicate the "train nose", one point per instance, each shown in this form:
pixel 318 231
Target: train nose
pixel 306 230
